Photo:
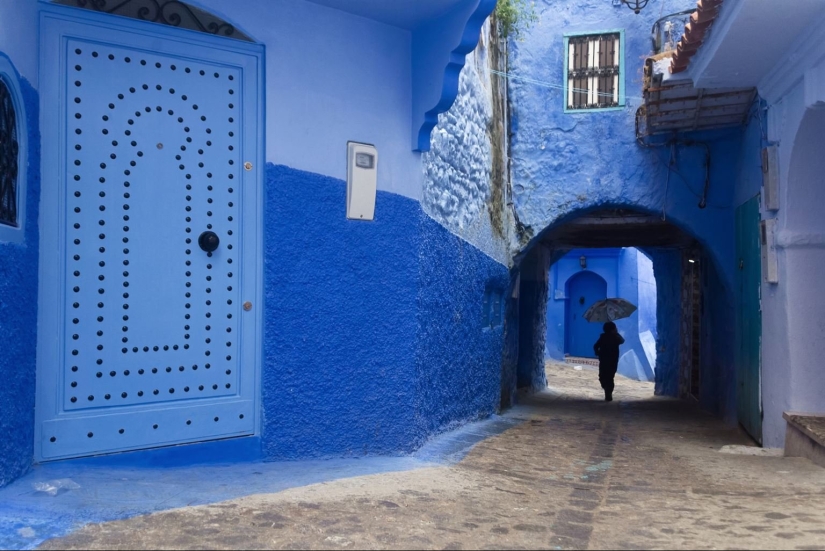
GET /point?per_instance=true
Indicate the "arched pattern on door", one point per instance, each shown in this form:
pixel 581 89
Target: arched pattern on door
pixel 583 289
pixel 166 12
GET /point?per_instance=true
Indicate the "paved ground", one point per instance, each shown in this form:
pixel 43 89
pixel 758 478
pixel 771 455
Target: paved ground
pixel 576 472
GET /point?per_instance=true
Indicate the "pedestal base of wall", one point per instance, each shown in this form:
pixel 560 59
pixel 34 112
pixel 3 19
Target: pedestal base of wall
pixel 805 436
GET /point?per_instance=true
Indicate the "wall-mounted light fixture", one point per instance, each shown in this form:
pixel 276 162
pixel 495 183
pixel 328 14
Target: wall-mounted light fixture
pixel 636 5
pixel 583 263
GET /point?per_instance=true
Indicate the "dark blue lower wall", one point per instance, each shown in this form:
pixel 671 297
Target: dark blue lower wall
pixel 18 320
pixel 459 362
pixel 532 319
pixel 717 391
pixel 372 334
pixel 667 268
pixel 340 322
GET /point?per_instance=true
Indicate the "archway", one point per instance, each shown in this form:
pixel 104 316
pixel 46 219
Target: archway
pixel 694 358
pixel 802 254
pixel 582 290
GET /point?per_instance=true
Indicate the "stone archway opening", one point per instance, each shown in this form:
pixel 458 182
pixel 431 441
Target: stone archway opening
pixel 694 312
pixel 801 248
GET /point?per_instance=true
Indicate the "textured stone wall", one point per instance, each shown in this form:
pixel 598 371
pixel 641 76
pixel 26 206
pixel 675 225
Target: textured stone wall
pixel 465 170
pixel 564 163
pixel 18 318
pixel 458 359
pixel 373 334
pixel 667 267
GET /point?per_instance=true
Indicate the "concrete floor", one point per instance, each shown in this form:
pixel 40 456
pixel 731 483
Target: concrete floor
pixel 572 472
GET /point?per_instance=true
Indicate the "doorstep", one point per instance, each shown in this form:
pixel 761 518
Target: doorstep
pixel 805 436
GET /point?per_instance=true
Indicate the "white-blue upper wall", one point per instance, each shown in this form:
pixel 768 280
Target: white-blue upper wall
pixel 748 39
pixel 18 36
pixel 337 71
pixel 332 77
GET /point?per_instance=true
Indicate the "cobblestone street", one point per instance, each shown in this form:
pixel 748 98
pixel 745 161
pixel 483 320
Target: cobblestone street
pixel 641 472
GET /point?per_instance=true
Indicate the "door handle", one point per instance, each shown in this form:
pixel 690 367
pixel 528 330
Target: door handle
pixel 209 241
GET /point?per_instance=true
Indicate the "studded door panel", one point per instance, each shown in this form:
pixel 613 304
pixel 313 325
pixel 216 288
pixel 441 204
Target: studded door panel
pixel 153 163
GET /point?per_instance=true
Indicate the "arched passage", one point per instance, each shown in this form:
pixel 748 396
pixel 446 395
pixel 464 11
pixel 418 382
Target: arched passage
pixel 583 289
pixel 695 308
pixel 802 251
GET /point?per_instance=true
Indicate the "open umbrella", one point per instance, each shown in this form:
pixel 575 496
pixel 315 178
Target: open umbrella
pixel 609 309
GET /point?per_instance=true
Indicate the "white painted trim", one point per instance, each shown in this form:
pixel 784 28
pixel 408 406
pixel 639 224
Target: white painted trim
pixel 788 239
pixel 728 16
pixel 806 52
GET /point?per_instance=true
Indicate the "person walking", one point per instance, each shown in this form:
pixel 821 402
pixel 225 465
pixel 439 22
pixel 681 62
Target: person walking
pixel 607 350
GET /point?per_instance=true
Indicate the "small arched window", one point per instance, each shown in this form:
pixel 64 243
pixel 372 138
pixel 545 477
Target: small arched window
pixel 9 160
pixel 12 154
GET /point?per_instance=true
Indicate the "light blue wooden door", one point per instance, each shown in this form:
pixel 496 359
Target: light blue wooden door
pixel 583 289
pixel 152 159
pixel 749 318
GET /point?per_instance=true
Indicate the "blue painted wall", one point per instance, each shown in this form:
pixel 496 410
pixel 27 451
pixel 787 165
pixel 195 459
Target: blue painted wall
pixel 647 293
pixel 458 360
pixel 373 333
pixel 667 265
pixel 442 43
pixel 18 317
pixel 717 380
pixel 322 68
pixel 566 165
pixel 340 322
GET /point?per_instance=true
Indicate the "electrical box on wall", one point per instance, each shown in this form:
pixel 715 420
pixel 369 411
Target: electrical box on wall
pixel 770 177
pixel 770 264
pixel 362 180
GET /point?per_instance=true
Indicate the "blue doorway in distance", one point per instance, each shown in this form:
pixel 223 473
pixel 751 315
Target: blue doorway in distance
pixel 582 291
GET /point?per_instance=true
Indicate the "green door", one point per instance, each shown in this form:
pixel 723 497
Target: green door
pixel 748 318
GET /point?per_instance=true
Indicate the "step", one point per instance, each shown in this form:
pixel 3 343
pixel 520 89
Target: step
pixel 805 436
pixel 574 360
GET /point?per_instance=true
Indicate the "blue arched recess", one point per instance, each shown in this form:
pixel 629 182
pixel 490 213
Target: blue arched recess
pixel 583 289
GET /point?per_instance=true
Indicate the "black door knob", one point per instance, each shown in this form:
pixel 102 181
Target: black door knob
pixel 209 241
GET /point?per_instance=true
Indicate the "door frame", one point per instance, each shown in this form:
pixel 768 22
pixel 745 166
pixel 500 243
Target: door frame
pixel 54 20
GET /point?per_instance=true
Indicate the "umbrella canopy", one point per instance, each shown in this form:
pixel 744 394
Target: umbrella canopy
pixel 609 309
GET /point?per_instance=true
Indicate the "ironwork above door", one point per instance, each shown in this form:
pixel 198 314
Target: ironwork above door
pixel 165 12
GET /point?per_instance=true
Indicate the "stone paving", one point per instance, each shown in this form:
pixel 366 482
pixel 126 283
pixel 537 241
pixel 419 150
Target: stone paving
pixel 574 473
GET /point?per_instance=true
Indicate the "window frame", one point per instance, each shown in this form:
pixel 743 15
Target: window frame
pixel 622 66
pixel 11 78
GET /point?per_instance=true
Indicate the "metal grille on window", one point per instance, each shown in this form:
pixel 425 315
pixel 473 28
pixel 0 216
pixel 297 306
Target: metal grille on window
pixel 8 158
pixel 593 71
